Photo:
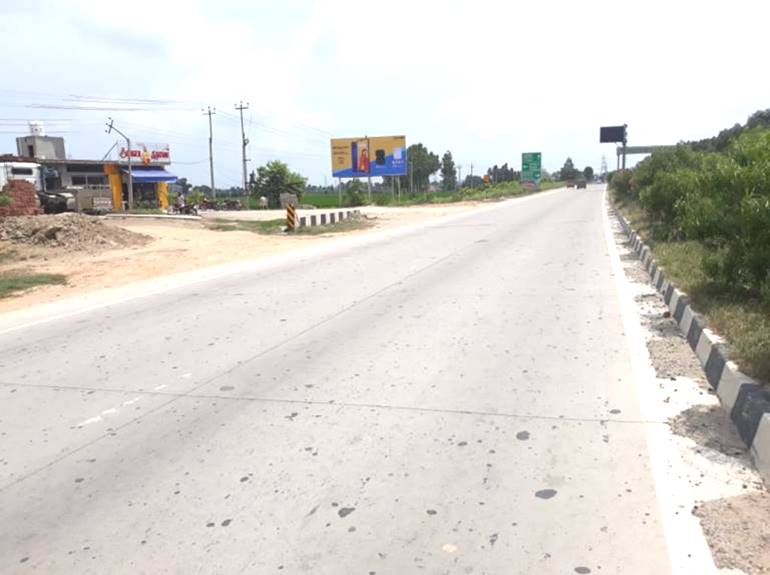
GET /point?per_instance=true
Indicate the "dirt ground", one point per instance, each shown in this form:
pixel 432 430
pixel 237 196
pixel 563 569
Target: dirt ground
pixel 173 246
pixel 738 531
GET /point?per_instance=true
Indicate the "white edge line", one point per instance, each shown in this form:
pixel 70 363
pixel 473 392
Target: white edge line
pixel 688 551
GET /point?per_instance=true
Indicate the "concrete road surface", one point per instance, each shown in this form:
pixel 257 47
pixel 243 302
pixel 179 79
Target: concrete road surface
pixel 457 398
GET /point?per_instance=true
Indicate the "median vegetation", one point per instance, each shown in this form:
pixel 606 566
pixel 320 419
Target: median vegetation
pixel 704 207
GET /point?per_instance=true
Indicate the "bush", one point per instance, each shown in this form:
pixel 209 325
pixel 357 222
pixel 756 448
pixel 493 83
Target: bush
pixel 354 198
pixel 662 201
pixel 620 183
pixel 729 211
pixel 354 194
pixel 5 200
pixel 383 199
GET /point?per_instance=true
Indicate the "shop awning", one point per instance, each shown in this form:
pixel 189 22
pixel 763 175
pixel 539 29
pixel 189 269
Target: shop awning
pixel 150 175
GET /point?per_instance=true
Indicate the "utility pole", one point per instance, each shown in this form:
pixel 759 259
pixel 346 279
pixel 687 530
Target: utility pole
pixel 245 142
pixel 411 177
pixel 625 142
pixel 110 128
pixel 209 112
pixel 368 170
pixel 472 184
pixel 460 176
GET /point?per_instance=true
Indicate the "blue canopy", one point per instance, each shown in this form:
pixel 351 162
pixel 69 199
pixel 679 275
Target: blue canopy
pixel 150 175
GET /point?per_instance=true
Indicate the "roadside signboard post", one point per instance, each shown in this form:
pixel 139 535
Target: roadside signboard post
pixel 615 134
pixel 531 169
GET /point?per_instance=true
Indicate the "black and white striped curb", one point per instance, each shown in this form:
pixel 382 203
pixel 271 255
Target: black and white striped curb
pixel 327 218
pixel 745 400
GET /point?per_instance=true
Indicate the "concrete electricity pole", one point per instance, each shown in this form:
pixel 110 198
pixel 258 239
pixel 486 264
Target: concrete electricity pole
pixel 459 176
pixel 472 183
pixel 110 128
pixel 245 142
pixel 209 112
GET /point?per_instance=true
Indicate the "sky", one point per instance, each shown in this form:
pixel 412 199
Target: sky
pixel 486 80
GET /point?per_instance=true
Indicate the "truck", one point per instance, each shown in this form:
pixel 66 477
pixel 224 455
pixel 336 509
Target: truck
pixel 52 202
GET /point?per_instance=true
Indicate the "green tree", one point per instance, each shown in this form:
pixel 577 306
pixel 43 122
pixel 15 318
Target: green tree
pixel 422 165
pixel 473 182
pixel 448 172
pixel 568 171
pixel 275 178
pixel 186 186
pixel 588 173
pixel 354 193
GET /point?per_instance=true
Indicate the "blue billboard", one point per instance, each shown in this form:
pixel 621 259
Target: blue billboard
pixel 362 157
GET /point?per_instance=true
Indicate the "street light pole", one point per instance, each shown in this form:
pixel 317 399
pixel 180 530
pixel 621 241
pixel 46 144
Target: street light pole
pixel 110 128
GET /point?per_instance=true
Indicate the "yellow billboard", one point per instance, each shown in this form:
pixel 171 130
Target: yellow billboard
pixel 376 156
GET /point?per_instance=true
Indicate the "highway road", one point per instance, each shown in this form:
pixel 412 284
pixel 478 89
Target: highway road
pixel 457 397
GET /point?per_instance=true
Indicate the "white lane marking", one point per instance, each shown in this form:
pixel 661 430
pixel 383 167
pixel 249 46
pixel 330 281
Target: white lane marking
pixel 186 375
pixel 90 420
pixel 155 286
pixel 159 387
pixel 449 548
pixel 688 551
pixel 109 411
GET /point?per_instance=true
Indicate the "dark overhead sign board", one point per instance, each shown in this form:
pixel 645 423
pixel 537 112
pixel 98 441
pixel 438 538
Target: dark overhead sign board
pixel 612 134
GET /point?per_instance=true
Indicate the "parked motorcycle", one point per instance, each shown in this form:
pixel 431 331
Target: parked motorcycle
pixel 186 210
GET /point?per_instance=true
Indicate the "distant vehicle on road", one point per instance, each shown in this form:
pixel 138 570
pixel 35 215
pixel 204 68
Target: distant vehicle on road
pixel 570 183
pixel 581 184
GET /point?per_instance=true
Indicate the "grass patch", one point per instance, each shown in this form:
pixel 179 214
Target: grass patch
pixel 12 281
pixel 736 313
pixel 322 200
pixel 385 198
pixel 145 211
pixel 272 227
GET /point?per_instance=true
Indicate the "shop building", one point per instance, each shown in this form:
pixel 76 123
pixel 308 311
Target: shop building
pixel 148 167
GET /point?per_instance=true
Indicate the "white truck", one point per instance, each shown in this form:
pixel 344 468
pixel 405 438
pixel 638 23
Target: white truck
pixel 27 171
pixel 51 202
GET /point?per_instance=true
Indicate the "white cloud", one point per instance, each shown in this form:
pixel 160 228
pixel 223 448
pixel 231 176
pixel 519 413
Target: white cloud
pixel 487 79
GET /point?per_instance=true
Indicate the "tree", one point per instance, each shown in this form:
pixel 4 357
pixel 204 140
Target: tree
pixel 568 171
pixel 473 182
pixel 503 173
pixel 448 172
pixel 588 173
pixel 185 185
pixel 422 164
pixel 275 178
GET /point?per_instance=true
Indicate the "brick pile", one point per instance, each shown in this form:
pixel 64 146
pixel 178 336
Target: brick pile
pixel 24 200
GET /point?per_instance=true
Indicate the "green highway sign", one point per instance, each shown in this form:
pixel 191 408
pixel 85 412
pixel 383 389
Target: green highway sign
pixel 530 167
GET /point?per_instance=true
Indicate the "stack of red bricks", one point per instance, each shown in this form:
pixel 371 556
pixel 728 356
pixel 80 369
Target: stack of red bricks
pixel 24 200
